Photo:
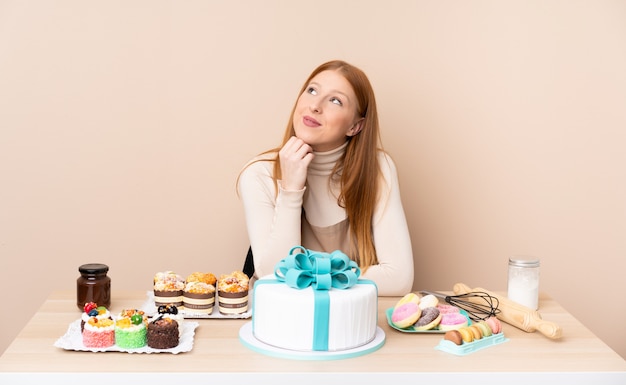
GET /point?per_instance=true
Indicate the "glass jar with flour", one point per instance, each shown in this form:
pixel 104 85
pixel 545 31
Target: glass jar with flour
pixel 523 283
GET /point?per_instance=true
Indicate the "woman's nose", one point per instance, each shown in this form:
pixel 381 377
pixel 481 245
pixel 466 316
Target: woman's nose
pixel 314 107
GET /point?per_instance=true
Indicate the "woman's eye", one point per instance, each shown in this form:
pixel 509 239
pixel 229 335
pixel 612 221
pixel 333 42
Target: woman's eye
pixel 336 101
pixel 312 91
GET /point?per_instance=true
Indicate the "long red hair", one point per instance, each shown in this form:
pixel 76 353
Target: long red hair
pixel 358 170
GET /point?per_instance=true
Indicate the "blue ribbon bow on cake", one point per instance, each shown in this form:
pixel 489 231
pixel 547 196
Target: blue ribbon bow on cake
pixel 322 271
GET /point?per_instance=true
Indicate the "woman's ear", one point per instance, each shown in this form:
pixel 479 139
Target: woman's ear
pixel 356 127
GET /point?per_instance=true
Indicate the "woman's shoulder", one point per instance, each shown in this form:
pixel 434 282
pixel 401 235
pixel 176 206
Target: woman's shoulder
pixel 259 168
pixel 387 165
pixel 264 161
pixel 388 170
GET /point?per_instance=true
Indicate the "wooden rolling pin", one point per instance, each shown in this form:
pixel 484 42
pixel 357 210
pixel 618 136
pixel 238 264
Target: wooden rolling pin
pixel 515 314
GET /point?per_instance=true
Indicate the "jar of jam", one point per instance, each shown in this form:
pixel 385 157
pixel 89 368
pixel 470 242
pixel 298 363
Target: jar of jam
pixel 93 285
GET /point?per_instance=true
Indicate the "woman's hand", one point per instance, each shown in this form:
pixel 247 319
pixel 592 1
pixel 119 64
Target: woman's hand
pixel 295 157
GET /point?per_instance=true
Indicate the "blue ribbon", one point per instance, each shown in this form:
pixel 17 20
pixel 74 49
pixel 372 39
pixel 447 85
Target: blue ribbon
pixel 322 271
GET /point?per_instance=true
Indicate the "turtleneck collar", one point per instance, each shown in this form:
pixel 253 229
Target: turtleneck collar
pixel 324 162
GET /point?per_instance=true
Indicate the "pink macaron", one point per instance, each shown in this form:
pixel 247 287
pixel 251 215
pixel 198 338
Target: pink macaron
pixel 494 324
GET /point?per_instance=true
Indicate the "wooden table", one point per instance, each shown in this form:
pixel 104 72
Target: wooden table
pixel 218 356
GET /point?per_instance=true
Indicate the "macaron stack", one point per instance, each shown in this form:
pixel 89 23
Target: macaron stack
pixel 474 337
pixel 474 332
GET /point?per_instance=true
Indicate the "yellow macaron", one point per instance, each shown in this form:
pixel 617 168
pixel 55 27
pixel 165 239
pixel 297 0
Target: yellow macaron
pixel 466 334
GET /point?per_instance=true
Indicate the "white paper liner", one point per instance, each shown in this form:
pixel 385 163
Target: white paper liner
pixel 73 340
pixel 151 309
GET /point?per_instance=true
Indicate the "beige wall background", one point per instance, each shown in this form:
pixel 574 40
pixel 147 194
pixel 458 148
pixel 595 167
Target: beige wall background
pixel 123 125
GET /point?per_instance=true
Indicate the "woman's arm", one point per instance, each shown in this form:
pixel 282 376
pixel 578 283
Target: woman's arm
pixel 394 272
pixel 273 222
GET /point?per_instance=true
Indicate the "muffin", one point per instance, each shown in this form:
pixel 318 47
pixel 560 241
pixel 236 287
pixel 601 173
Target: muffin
pixel 232 293
pixel 199 298
pixel 168 289
pixel 208 278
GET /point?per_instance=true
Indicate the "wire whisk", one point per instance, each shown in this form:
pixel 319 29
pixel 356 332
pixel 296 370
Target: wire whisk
pixel 478 304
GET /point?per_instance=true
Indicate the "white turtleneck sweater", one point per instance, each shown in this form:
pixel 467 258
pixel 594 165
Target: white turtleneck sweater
pixel 312 218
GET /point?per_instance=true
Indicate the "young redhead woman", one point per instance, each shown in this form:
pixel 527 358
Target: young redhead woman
pixel 330 186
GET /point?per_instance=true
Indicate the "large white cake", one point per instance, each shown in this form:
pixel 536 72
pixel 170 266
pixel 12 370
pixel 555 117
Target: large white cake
pixel 284 317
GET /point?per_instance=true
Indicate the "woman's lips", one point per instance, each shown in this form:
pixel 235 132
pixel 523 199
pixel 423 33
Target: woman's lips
pixel 310 122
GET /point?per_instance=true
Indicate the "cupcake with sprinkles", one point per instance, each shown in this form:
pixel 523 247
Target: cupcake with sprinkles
pixel 130 329
pixel 99 333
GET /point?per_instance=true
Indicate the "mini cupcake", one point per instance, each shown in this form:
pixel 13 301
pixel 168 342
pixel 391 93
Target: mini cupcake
pixel 99 333
pixel 91 309
pixel 199 298
pixel 171 312
pixel 163 333
pixel 168 289
pixel 232 293
pixel 130 329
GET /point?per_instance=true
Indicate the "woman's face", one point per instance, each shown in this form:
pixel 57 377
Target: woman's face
pixel 326 112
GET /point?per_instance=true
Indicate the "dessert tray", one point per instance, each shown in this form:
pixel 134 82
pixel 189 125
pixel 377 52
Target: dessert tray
pixel 389 312
pixel 151 309
pixel 73 340
pixel 247 338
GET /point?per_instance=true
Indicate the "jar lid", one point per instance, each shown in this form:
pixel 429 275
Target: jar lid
pixel 93 268
pixel 524 262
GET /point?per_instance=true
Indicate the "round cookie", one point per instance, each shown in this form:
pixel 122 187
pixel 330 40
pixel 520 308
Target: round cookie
pixel 429 319
pixel 411 297
pixel 445 309
pixel 452 321
pixel 428 300
pixel 406 315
